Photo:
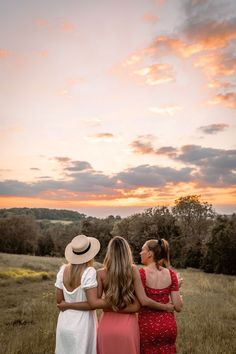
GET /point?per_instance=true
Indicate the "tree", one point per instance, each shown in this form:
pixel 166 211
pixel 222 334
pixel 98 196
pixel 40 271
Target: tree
pixel 19 234
pixel 220 249
pixel 153 223
pixel 194 218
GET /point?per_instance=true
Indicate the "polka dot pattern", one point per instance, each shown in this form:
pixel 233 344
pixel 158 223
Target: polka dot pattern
pixel 158 329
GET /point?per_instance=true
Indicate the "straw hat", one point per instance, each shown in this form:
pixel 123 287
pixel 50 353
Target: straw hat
pixel 82 249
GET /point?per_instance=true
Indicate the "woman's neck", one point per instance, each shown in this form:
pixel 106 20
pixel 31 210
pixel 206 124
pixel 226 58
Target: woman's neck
pixel 151 264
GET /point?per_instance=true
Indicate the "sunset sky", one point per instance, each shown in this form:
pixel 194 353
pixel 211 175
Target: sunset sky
pixel 110 107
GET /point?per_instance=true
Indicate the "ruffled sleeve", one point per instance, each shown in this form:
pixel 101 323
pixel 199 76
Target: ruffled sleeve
pixel 59 279
pixel 89 279
pixel 175 283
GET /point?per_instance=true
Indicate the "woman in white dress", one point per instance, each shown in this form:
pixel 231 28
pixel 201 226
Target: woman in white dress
pixel 76 329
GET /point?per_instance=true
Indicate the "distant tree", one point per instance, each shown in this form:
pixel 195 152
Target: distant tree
pixel 43 213
pixel 45 246
pixel 19 234
pixel 194 219
pixel 153 223
pixel 101 229
pixel 220 250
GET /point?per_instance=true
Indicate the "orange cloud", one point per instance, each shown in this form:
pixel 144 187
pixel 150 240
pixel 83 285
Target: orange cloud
pixel 217 66
pixel 227 99
pixel 132 59
pixel 146 197
pixel 4 53
pixel 101 137
pixel 104 135
pixel 163 45
pixel 142 148
pixel 67 27
pixel 149 18
pixel 156 74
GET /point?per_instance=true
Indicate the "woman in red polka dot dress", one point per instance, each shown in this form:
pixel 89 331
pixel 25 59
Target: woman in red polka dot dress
pixel 158 328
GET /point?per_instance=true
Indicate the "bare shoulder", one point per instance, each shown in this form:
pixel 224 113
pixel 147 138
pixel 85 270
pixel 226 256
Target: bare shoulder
pixel 101 273
pixel 165 270
pixel 135 270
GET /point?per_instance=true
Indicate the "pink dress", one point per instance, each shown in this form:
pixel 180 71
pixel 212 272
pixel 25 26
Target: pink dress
pixel 118 333
pixel 158 329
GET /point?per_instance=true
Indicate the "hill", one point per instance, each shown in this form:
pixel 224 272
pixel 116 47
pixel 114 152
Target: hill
pixel 43 213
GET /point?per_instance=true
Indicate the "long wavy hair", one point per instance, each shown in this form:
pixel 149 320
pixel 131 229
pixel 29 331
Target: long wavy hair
pixel 119 282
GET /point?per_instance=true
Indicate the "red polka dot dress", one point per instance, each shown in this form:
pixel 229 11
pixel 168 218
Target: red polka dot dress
pixel 158 329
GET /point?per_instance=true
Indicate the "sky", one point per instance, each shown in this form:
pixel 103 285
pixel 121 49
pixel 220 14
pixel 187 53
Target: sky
pixel 111 107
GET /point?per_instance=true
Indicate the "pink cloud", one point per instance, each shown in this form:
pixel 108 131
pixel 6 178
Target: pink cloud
pixel 4 53
pixel 228 100
pixel 67 27
pixel 156 74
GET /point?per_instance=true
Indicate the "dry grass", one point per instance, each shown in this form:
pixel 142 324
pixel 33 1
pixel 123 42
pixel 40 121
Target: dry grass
pixel 208 322
pixel 29 314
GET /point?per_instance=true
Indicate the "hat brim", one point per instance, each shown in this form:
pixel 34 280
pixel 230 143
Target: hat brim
pixel 82 258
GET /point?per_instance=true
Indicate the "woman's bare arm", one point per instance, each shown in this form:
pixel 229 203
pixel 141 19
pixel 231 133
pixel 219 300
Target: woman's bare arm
pixel 134 307
pixel 94 301
pixel 144 299
pixel 82 306
pixel 59 295
pixel 100 283
pixel 177 300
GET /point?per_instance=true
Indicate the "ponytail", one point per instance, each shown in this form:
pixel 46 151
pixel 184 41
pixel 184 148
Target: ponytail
pixel 165 253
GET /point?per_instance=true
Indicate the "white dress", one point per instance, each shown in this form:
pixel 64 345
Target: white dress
pixel 76 330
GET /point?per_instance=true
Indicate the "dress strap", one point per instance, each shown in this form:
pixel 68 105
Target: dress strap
pixel 143 276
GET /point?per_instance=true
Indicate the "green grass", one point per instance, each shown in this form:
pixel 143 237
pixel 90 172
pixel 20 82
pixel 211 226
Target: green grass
pixel 29 313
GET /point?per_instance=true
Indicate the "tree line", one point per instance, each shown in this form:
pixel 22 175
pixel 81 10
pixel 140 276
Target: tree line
pixel 198 237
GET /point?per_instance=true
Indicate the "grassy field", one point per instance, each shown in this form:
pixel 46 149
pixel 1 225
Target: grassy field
pixel 29 314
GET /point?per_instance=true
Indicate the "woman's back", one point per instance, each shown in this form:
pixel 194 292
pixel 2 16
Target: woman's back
pixel 157 328
pixel 117 332
pixel 76 330
pixel 157 278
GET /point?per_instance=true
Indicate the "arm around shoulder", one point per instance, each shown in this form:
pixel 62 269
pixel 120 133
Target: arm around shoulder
pixel 143 298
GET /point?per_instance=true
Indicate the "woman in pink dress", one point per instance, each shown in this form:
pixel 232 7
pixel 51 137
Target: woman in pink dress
pixel 158 329
pixel 118 332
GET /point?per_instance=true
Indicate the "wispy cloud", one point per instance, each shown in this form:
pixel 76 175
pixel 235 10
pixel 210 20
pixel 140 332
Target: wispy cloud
pixel 166 110
pixel 67 27
pixel 149 18
pixel 228 99
pixel 156 74
pixel 62 159
pixel 78 166
pixel 4 53
pixel 102 137
pixel 213 128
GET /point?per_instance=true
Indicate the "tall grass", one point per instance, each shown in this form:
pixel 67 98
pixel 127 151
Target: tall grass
pixel 29 313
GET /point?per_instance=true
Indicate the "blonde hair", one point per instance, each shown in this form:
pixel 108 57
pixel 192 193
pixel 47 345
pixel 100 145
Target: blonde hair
pixel 161 252
pixel 118 284
pixel 76 271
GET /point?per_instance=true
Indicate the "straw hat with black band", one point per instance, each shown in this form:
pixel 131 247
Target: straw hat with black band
pixel 82 249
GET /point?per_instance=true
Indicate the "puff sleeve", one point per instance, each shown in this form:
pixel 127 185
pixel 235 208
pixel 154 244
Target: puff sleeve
pixel 89 279
pixel 59 279
pixel 175 283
